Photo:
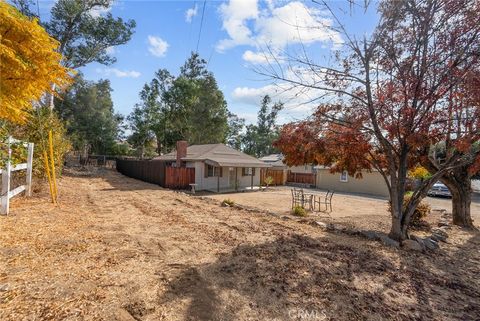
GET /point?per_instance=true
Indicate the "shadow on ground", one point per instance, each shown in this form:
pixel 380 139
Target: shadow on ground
pixel 297 274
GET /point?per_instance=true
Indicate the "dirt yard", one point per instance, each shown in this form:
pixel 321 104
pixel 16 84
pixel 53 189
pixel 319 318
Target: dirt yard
pixel 361 211
pixel 120 249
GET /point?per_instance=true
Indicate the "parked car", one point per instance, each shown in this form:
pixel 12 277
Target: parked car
pixel 439 189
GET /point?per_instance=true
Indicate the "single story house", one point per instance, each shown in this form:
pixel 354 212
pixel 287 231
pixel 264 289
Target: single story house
pixel 371 183
pixel 218 168
pixel 276 161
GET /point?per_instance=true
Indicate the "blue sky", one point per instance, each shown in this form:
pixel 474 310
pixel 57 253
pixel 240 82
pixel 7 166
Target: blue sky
pixel 234 36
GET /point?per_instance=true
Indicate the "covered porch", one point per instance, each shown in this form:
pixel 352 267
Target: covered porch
pixel 225 177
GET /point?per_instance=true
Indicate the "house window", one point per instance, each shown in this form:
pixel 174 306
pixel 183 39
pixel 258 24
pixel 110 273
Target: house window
pixel 344 176
pixel 213 171
pixel 248 171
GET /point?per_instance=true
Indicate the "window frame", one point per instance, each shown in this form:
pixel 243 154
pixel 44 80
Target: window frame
pixel 215 171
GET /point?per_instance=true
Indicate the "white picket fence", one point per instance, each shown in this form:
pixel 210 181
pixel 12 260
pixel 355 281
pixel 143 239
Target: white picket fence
pixel 7 194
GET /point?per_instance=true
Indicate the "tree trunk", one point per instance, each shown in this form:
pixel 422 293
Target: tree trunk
pixel 459 183
pixel 397 232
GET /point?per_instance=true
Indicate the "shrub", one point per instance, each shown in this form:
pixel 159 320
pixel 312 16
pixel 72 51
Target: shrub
pixel 420 213
pixel 299 211
pixel 268 180
pixel 42 120
pixel 228 202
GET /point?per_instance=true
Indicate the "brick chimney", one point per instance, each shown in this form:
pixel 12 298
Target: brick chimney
pixel 181 151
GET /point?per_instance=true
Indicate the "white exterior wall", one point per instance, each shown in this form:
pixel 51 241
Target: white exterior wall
pixel 371 183
pixel 210 183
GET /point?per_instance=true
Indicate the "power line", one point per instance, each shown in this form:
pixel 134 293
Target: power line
pixel 201 24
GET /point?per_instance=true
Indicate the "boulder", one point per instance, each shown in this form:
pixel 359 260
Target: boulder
pixel 420 241
pixel 389 242
pixel 321 224
pixel 371 235
pixel 412 245
pixel 438 237
pixel 440 231
pixel 430 244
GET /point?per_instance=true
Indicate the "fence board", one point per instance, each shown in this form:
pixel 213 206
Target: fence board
pixel 179 177
pixel 150 171
pixel 301 178
pixel 276 174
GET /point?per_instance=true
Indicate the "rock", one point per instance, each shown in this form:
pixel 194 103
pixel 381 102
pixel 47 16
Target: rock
pixel 389 242
pixel 440 231
pixel 430 244
pixel 286 218
pixel 420 241
pixel 439 237
pixel 443 223
pixel 320 224
pixel 371 235
pixel 412 245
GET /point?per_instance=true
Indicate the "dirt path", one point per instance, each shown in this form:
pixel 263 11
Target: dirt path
pixel 120 249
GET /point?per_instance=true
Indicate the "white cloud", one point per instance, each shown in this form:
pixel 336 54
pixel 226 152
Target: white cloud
pixel 255 57
pixel 158 47
pixel 276 27
pixel 119 73
pixel 190 13
pixel 235 15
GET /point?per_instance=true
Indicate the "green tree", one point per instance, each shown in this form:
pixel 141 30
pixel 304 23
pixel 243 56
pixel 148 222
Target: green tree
pixel 91 122
pixel 235 131
pixel 258 139
pixel 198 108
pixel 189 106
pixel 84 36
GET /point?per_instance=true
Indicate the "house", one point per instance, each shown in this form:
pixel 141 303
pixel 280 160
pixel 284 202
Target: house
pixel 302 174
pixel 276 161
pixel 371 183
pixel 218 168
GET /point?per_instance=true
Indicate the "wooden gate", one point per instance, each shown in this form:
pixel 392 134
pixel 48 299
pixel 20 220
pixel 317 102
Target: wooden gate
pixel 301 178
pixel 179 177
pixel 276 174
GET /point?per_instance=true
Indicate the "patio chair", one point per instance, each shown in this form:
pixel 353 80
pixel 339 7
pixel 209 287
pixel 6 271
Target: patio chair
pixel 327 201
pixel 299 198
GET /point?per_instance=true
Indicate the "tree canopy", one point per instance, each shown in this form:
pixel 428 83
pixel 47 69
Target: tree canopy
pixel 390 98
pixel 29 63
pixel 189 106
pixel 91 122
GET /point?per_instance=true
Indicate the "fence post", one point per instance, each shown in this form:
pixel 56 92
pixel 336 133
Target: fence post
pixel 28 187
pixel 6 180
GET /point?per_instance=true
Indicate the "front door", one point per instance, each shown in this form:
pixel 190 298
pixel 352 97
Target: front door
pixel 232 177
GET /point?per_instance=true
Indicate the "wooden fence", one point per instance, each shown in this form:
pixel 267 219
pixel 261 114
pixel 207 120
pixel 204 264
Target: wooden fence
pixel 151 171
pixel 179 177
pixel 6 172
pixel 156 172
pixel 301 178
pixel 276 174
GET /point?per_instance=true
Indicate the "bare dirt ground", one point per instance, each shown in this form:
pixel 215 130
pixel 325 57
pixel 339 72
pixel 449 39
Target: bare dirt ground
pixel 120 249
pixel 360 211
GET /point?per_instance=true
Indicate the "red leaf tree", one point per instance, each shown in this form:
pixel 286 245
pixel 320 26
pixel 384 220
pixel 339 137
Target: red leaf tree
pixel 392 97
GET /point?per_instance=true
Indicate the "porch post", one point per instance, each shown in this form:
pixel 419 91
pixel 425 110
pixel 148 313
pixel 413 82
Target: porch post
pixel 218 181
pixel 252 179
pixel 236 180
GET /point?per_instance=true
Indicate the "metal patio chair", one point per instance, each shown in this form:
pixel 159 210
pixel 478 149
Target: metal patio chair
pixel 327 201
pixel 299 198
